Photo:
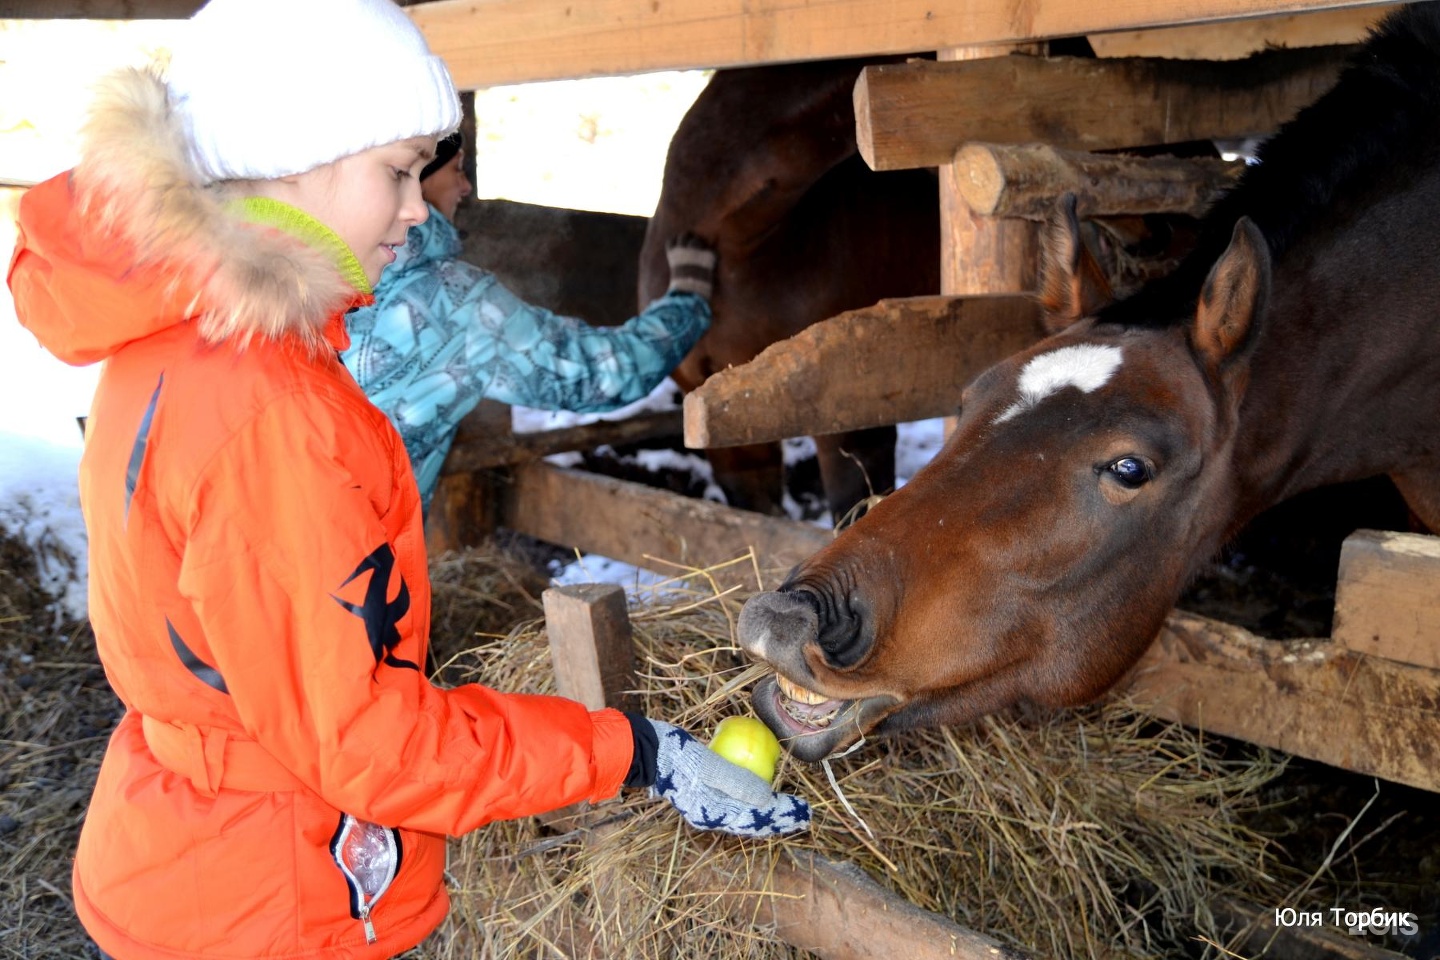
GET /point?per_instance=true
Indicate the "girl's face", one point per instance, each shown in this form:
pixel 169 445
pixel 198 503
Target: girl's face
pixel 446 187
pixel 371 198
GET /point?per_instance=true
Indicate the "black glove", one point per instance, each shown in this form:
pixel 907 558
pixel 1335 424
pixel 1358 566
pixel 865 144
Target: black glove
pixel 692 265
pixel 710 792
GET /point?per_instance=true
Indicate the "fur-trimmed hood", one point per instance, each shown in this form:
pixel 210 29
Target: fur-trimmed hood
pixel 129 243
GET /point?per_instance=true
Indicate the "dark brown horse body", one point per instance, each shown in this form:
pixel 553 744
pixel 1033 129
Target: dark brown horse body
pixel 765 165
pixel 1035 559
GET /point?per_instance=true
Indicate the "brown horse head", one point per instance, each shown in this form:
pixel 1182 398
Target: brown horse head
pixel 994 576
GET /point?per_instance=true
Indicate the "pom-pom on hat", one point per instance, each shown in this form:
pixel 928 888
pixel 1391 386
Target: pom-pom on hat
pixel 270 88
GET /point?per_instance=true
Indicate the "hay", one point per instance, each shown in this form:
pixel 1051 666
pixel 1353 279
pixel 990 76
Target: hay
pixel 56 712
pixel 1096 833
pixel 978 822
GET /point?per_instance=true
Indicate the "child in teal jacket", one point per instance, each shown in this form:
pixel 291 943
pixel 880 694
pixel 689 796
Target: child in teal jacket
pixel 443 334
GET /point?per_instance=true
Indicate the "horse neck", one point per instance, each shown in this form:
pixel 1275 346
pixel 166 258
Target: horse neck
pixel 1345 379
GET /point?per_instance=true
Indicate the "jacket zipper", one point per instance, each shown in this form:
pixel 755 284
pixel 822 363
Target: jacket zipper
pixel 364 900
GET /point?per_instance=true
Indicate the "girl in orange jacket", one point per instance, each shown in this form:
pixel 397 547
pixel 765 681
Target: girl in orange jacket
pixel 284 775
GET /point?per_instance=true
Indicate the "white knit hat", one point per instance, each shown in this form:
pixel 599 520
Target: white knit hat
pixel 269 88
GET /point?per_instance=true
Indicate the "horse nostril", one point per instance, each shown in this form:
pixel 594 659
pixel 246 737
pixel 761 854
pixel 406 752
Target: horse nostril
pixel 772 621
pixel 844 640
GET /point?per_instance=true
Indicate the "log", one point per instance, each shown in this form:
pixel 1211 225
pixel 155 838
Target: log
pixel 652 528
pixel 486 451
pixel 1387 600
pixel 1314 698
pixel 900 360
pixel 517 41
pixel 1025 180
pixel 1235 39
pixel 918 114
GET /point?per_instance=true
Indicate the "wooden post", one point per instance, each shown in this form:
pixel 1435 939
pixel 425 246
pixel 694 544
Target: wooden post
pixel 980 254
pixel 1387 600
pixel 590 644
pixel 463 512
pixel 593 654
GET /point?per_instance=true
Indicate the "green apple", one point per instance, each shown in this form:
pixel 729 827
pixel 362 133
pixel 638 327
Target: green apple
pixel 749 743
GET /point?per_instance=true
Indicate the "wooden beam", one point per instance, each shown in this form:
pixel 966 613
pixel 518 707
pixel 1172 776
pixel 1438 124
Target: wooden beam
pixel 1309 697
pixel 485 451
pixel 1236 39
pixel 835 911
pixel 652 528
pixel 107 9
pixel 897 361
pixel 1024 181
pixel 99 9
pixel 490 42
pixel 1387 601
pixel 918 114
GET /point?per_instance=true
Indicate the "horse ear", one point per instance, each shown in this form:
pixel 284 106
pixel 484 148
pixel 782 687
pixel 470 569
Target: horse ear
pixel 1232 302
pixel 1072 285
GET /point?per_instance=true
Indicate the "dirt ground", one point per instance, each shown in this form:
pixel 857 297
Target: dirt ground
pixel 1370 843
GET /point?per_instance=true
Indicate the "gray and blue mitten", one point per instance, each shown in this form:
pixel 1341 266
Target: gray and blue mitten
pixel 710 792
pixel 692 265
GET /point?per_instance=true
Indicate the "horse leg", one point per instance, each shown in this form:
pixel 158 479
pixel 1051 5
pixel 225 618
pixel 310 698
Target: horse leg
pixel 855 465
pixel 752 476
pixel 1420 486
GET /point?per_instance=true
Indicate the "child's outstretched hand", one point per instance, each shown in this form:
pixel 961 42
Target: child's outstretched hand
pixel 692 265
pixel 712 793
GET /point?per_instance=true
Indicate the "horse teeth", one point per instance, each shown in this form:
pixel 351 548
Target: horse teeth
pixel 798 693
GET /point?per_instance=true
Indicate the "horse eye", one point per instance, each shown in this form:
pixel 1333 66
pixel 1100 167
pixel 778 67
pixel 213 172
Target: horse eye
pixel 1130 471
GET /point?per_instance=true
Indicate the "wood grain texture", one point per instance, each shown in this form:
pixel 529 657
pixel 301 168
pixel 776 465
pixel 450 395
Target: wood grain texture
pixel 919 114
pixel 1387 600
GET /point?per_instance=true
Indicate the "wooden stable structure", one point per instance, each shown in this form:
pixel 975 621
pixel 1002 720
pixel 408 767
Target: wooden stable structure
pixel 1006 133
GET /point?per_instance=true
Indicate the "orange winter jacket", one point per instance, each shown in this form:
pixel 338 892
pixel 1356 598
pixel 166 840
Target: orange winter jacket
pixel 284 775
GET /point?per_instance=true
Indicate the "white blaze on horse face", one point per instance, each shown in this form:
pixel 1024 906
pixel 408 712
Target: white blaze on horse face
pixel 1087 366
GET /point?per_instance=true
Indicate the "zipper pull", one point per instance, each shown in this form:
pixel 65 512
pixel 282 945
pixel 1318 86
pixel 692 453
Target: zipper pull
pixel 369 927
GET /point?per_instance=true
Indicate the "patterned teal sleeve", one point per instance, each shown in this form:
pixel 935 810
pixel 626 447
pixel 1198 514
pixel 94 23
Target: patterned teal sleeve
pixel 444 333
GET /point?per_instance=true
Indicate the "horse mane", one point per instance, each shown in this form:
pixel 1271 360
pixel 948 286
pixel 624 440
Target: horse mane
pixel 1383 111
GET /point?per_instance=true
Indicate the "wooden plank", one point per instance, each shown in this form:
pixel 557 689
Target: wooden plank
pixel 591 647
pixel 107 9
pixel 651 528
pixel 835 911
pixel 1024 181
pixel 490 42
pixel 900 360
pixel 1313 698
pixel 1387 601
pixel 1236 39
pixel 484 451
pixel 918 114
pixel 98 9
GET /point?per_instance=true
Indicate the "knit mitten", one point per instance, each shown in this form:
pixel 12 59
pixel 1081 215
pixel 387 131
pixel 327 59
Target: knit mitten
pixel 692 265
pixel 712 793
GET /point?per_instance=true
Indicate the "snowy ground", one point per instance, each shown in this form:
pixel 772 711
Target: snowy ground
pixel 592 144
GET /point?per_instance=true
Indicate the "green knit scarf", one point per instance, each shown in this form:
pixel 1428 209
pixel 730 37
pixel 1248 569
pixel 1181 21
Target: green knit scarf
pixel 305 228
